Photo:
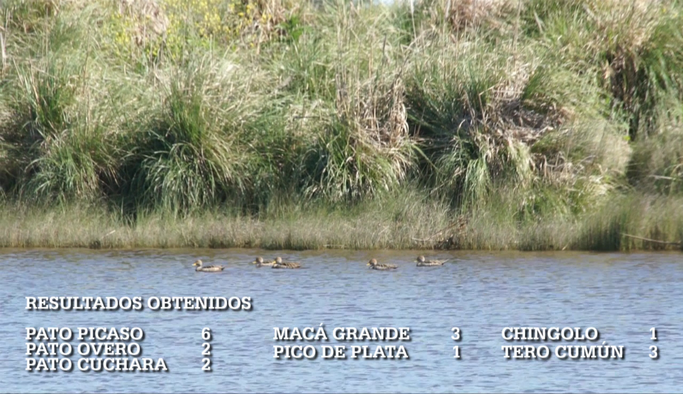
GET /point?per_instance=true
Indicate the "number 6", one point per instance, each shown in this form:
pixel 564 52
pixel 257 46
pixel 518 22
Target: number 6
pixel 206 334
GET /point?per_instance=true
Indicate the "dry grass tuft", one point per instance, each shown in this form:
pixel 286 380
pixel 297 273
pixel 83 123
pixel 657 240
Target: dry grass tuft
pixel 148 19
pixel 474 13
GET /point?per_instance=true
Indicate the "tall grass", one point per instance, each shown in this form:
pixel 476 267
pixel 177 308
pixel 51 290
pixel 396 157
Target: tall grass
pixel 182 159
pixel 495 124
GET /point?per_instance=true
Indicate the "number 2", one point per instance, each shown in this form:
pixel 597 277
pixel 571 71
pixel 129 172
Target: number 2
pixel 207 364
pixel 207 349
pixel 655 353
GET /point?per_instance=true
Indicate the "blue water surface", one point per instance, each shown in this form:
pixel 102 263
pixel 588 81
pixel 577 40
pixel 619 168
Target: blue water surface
pixel 622 295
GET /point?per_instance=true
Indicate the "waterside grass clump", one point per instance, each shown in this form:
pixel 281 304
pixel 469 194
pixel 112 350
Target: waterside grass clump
pixel 500 124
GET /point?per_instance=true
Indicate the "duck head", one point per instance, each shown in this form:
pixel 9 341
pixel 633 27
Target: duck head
pixel 278 260
pixel 420 259
pixel 197 263
pixel 258 261
pixel 372 263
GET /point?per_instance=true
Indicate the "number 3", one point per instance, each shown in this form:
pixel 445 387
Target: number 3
pixel 456 334
pixel 655 353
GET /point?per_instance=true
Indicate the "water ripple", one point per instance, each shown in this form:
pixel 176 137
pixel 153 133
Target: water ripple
pixel 621 295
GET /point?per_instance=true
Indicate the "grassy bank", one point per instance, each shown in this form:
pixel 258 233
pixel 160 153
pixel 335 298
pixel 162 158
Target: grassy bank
pixel 406 223
pixel 499 124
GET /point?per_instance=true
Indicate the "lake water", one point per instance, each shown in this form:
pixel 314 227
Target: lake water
pixel 622 295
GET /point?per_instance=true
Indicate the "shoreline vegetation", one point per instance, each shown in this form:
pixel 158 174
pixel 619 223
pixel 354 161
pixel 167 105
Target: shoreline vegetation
pixel 292 124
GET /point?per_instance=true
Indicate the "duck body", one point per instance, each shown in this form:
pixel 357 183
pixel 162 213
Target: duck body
pixel 279 264
pixel 422 262
pixel 287 265
pixel 209 268
pixel 258 262
pixel 373 264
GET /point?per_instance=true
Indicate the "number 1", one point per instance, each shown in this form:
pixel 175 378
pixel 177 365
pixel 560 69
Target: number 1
pixel 457 352
pixel 654 333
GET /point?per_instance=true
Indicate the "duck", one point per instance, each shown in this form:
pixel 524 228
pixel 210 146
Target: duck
pixel 209 268
pixel 373 264
pixel 260 263
pixel 422 262
pixel 278 263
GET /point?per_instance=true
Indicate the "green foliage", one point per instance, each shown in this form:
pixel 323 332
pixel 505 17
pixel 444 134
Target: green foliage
pixel 349 164
pixel 657 161
pixel 504 114
pixel 458 117
pixel 181 160
pixel 629 46
pixel 27 15
pixel 44 145
pixel 292 28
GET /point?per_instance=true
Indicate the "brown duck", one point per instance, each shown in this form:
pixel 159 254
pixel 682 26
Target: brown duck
pixel 422 262
pixel 373 264
pixel 278 263
pixel 209 268
pixel 260 263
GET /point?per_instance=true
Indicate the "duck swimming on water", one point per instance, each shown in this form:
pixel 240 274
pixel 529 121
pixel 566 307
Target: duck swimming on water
pixel 278 263
pixel 209 268
pixel 422 262
pixel 373 264
pixel 260 263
